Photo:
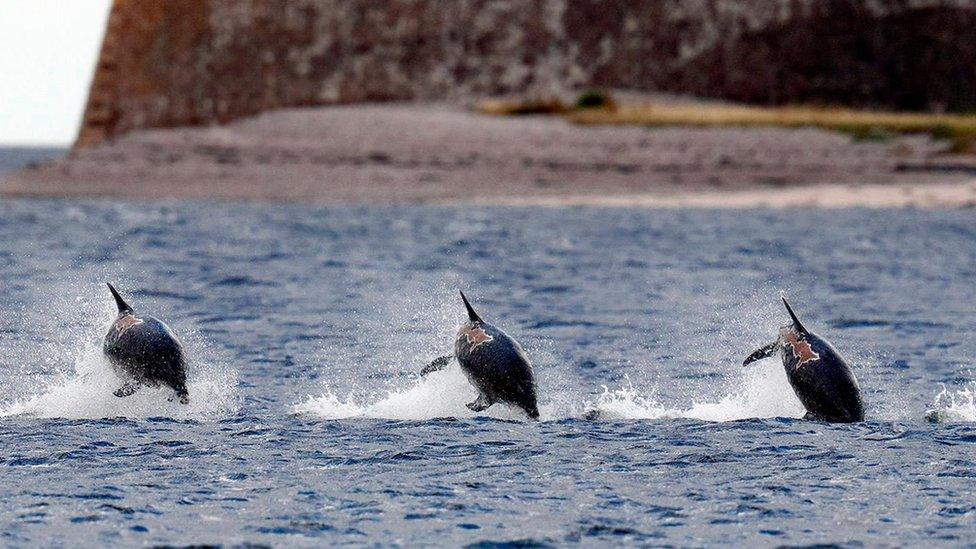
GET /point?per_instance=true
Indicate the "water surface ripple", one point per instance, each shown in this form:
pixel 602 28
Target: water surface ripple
pixel 308 424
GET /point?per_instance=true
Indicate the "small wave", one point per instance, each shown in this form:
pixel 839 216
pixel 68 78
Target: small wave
pixel 952 406
pixel 87 394
pixel 765 393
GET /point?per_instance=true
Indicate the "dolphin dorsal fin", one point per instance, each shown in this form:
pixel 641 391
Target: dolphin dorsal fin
pixel 473 316
pixel 796 321
pixel 123 306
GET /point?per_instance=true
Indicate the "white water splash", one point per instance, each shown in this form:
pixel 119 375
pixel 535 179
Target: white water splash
pixel 441 394
pixel 954 405
pixel 764 393
pixel 86 393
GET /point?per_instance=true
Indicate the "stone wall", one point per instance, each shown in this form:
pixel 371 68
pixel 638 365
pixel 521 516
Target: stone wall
pixel 188 62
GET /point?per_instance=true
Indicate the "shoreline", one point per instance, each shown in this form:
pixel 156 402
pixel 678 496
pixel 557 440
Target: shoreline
pixel 931 196
pixel 826 196
pixel 442 154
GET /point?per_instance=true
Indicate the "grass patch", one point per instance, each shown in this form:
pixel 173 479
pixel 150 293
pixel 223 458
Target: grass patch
pixel 959 130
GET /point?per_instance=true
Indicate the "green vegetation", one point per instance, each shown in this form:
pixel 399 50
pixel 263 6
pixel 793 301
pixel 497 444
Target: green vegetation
pixel 597 108
pixel 958 130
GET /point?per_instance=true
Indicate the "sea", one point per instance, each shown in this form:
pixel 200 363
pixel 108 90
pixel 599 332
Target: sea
pixel 16 158
pixel 306 327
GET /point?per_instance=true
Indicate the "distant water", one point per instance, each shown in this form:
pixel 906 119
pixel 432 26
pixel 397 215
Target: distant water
pixel 308 424
pixel 15 158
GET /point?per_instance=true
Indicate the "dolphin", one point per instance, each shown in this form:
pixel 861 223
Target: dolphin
pixel 144 351
pixel 820 377
pixel 494 363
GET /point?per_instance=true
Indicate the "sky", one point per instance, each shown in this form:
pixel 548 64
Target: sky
pixel 48 50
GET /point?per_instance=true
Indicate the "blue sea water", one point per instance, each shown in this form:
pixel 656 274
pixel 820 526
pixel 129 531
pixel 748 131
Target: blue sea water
pixel 15 158
pixel 308 424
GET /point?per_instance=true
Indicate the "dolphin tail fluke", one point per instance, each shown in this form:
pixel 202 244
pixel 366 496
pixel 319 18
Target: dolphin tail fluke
pixel 761 353
pixel 438 364
pixel 796 321
pixel 123 306
pixel 473 316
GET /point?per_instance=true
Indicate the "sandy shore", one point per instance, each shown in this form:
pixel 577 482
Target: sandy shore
pixel 440 154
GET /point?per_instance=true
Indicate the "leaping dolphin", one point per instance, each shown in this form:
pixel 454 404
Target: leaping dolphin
pixel 820 377
pixel 494 363
pixel 144 351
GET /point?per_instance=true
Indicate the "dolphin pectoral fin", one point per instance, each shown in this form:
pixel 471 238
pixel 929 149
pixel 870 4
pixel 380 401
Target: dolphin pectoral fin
pixel 761 353
pixel 480 404
pixel 438 364
pixel 127 389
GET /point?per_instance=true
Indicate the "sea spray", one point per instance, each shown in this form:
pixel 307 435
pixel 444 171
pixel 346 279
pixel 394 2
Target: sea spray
pixel 764 392
pixel 87 394
pixel 85 391
pixel 954 406
pixel 441 394
pixel 437 395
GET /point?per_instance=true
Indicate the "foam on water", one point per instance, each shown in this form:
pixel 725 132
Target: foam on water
pixel 439 394
pixel 87 394
pixel 87 391
pixel 763 392
pixel 952 406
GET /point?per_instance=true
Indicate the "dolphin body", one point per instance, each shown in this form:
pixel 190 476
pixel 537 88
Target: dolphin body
pixel 494 363
pixel 144 351
pixel 820 377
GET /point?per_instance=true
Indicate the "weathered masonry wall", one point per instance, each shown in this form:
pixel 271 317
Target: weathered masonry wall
pixel 186 62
